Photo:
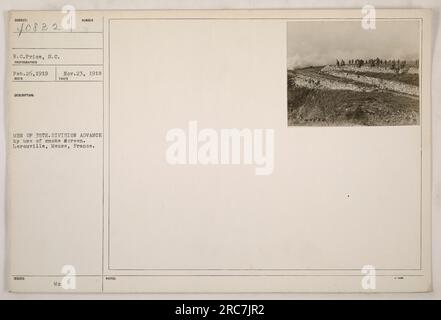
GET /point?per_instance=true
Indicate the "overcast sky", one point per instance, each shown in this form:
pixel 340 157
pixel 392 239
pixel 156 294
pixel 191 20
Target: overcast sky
pixel 322 42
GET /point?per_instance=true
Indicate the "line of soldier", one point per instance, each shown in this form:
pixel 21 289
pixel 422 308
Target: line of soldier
pixel 393 64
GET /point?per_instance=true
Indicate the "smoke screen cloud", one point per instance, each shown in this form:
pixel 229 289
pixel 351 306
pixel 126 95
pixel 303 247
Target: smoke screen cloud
pixel 322 42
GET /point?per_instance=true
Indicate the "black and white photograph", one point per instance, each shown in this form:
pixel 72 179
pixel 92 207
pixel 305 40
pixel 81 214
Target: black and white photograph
pixel 342 74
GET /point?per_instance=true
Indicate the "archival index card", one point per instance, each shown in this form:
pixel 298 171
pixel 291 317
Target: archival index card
pixel 219 151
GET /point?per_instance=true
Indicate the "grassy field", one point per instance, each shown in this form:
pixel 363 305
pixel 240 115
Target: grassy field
pixel 312 107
